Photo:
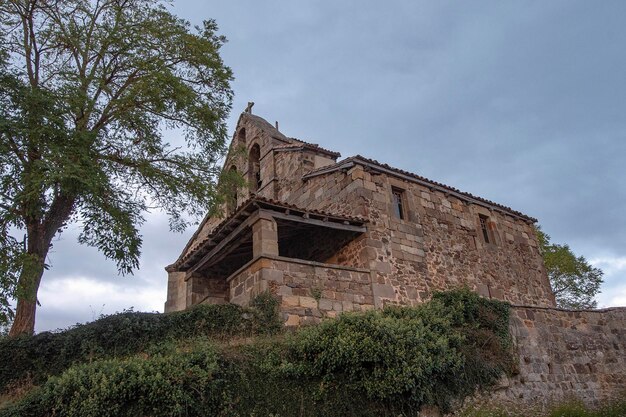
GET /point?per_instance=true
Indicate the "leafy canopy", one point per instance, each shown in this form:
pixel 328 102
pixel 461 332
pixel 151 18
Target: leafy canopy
pixel 574 281
pixel 87 89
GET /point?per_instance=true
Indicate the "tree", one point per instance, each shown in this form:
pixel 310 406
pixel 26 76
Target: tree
pixel 574 281
pixel 87 88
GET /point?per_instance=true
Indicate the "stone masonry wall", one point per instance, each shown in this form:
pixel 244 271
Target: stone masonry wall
pixel 438 245
pixel 565 355
pixel 308 291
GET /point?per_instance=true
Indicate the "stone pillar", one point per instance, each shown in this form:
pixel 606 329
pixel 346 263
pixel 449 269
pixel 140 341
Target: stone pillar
pixel 176 288
pixel 264 237
pixel 197 288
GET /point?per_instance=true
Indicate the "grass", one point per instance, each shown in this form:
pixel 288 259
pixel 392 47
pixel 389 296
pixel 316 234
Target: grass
pixel 571 408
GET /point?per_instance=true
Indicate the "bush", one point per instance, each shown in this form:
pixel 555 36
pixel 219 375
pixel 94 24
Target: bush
pixel 123 334
pixel 379 363
pixel 428 355
pixel 573 408
pixel 163 385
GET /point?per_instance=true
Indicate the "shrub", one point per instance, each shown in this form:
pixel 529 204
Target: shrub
pixel 124 334
pixel 429 355
pixel 571 408
pixel 163 385
pixel 378 363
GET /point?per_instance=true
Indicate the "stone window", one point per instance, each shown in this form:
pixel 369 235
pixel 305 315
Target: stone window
pixel 254 168
pixel 484 227
pixel 398 202
pixel 241 136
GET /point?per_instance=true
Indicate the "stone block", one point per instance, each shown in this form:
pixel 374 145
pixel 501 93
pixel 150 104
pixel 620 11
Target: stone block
pixel 384 291
pixel 308 302
pixel 382 267
pixel 292 320
pixel 284 290
pixel 325 304
pixel 291 300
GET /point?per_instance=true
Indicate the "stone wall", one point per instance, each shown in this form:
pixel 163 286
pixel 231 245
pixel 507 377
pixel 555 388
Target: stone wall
pixel 565 355
pixel 176 292
pixel 438 244
pixel 247 283
pixel 307 291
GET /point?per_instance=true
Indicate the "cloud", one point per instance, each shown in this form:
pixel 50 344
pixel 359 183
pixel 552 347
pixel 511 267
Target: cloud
pixel 615 298
pixel 614 289
pixel 610 266
pixel 69 300
pixel 82 284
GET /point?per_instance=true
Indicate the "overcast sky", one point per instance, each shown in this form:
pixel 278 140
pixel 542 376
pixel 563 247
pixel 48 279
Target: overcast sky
pixel 523 103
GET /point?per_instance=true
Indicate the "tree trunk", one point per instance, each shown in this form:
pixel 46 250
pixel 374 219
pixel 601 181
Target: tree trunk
pixel 40 232
pixel 28 286
pixel 24 322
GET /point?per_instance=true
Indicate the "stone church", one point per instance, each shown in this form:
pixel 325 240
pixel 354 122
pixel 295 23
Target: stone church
pixel 328 235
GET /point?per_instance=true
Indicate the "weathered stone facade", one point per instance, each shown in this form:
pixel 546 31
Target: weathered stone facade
pixel 443 238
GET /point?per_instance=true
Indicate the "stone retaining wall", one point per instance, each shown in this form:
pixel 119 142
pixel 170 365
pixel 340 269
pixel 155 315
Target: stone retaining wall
pixel 565 355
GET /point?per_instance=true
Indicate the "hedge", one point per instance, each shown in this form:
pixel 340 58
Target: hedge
pixel 50 353
pixel 378 363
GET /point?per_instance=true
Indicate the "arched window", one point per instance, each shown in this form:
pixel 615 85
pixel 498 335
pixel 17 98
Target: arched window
pixel 231 197
pixel 241 136
pixel 254 168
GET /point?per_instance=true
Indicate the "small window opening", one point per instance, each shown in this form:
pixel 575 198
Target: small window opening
pixel 484 227
pixel 398 203
pixel 241 136
pixel 254 168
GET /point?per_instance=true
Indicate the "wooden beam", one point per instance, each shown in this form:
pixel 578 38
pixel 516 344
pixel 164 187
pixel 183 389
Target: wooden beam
pixel 315 222
pixel 227 239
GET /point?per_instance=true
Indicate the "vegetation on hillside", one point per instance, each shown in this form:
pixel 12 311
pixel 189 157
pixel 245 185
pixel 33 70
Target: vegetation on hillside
pixel 616 408
pixel 226 360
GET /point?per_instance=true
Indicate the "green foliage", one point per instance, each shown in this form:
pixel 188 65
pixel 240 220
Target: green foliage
pixel 379 363
pixel 574 281
pixel 161 385
pixel 124 334
pixel 267 307
pixel 86 89
pixel 431 354
pixel 578 409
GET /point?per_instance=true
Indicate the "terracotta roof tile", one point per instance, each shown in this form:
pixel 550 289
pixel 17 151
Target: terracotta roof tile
pixel 313 146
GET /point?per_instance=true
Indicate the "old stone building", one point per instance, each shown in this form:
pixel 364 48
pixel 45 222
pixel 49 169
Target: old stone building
pixel 328 236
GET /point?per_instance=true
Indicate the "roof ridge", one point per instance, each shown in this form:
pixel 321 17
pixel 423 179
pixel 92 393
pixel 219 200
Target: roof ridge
pixel 313 146
pixel 446 188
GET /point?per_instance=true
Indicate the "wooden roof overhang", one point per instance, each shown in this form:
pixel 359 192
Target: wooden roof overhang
pixel 230 243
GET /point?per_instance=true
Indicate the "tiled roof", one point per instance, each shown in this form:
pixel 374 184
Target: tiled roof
pixel 244 211
pixel 316 147
pixel 372 163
